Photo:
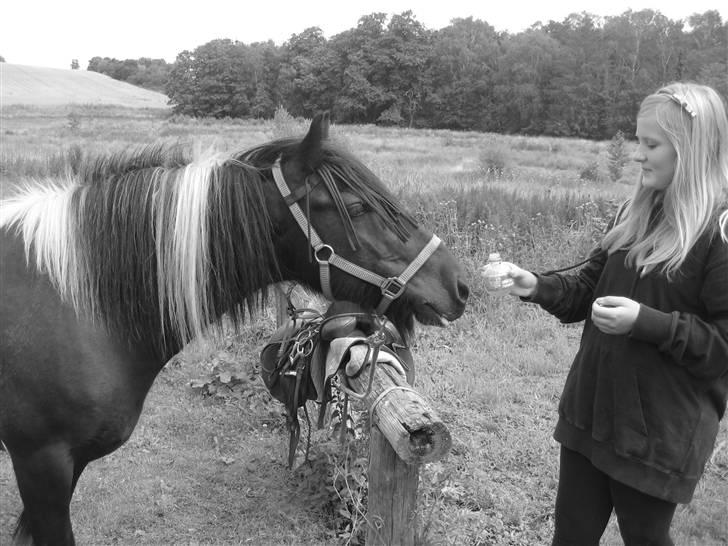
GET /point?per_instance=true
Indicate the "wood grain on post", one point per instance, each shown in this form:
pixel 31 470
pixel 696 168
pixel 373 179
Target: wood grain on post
pixel 404 417
pixel 392 500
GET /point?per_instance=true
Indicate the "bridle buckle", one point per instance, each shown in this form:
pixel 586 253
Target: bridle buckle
pixel 393 287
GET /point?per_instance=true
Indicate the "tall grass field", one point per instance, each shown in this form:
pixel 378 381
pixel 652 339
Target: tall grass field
pixel 207 461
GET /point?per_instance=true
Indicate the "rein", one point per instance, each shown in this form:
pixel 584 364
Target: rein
pixel 391 287
pixel 574 266
pixel 617 218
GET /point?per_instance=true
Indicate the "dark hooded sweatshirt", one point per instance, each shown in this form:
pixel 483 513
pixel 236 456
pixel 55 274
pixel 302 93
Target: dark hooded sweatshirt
pixel 644 407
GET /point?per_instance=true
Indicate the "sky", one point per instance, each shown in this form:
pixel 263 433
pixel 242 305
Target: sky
pixel 51 33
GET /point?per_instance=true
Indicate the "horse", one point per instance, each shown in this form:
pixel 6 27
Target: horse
pixel 109 271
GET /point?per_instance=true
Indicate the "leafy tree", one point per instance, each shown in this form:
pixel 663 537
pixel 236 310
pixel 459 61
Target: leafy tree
pixel 74 64
pixel 408 44
pixel 464 59
pixel 266 60
pixel 363 94
pixel 150 74
pixel 308 75
pixel 706 60
pixel 182 88
pixel 382 67
pixel 524 89
pixel 215 80
pixel 577 102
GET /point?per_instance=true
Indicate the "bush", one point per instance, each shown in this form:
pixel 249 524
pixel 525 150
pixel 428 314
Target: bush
pixel 391 116
pixel 494 161
pixel 616 156
pixel 590 171
pixel 284 124
pixel 74 121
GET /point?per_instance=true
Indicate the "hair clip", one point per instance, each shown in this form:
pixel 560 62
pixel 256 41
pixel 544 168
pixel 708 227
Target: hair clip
pixel 681 100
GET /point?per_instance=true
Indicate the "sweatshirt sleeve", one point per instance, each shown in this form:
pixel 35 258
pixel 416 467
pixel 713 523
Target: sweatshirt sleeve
pixel 569 297
pixel 700 344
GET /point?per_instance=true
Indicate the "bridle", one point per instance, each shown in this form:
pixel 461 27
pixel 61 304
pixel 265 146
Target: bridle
pixel 391 287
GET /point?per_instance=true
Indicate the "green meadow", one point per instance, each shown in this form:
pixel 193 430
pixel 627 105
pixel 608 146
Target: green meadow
pixel 207 463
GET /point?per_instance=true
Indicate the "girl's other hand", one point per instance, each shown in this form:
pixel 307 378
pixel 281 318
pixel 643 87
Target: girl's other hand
pixel 614 315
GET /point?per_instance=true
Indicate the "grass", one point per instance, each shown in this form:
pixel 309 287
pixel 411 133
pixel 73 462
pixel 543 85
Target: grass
pixel 211 469
pixel 51 86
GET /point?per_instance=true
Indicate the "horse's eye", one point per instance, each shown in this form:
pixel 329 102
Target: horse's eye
pixel 356 209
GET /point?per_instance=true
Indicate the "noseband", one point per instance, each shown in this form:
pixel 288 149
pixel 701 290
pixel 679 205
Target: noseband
pixel 391 287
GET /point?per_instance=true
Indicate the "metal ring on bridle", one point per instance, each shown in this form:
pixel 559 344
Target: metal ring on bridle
pixel 319 249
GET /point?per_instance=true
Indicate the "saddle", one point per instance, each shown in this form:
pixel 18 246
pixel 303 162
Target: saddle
pixel 302 356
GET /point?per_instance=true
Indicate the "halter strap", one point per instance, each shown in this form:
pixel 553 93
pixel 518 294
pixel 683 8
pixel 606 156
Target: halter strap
pixel 391 287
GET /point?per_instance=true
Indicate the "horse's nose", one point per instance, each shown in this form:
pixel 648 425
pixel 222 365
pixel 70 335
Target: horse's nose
pixel 463 291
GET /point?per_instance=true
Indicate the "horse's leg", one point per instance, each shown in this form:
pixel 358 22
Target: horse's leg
pixel 50 450
pixel 45 478
pixel 47 474
pixel 47 471
pixel 70 392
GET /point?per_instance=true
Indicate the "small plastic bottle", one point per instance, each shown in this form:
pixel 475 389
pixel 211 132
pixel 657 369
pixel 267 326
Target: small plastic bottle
pixel 495 273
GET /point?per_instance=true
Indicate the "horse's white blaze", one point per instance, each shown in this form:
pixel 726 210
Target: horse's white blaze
pixel 40 212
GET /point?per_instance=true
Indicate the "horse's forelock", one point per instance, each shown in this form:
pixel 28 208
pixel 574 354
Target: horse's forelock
pixel 357 178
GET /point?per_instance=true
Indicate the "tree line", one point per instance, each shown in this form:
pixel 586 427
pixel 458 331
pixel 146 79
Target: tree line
pixel 144 72
pixel 581 77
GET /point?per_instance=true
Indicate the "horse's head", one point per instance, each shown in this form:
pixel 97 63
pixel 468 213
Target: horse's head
pixel 373 252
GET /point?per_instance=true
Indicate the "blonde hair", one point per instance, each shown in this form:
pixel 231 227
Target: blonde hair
pixel 660 227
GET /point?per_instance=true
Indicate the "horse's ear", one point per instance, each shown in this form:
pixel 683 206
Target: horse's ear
pixel 310 148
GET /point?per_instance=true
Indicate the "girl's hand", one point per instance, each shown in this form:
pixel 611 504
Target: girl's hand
pixel 614 315
pixel 524 282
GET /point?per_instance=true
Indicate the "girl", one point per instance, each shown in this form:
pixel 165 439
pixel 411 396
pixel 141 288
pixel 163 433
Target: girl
pixel 639 413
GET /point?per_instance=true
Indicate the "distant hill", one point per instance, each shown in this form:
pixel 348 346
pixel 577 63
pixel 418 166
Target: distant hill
pixel 32 85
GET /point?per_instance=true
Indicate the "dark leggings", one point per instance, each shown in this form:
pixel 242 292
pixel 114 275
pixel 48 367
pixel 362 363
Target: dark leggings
pixel 584 503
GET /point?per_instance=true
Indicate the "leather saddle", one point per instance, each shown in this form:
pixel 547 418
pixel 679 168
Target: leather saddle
pixel 303 355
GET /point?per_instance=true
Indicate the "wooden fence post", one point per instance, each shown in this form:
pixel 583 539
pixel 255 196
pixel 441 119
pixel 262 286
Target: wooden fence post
pixel 392 498
pixel 405 432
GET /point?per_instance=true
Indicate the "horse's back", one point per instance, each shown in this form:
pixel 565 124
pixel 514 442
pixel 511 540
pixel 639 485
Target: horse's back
pixel 62 379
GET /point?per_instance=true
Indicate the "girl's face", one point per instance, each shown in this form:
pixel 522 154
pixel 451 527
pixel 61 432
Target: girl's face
pixel 654 152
